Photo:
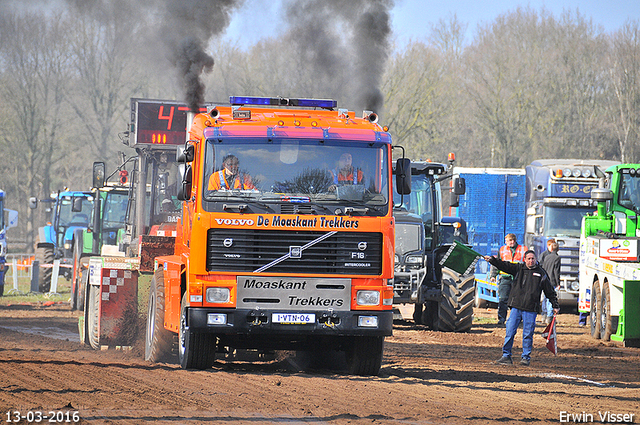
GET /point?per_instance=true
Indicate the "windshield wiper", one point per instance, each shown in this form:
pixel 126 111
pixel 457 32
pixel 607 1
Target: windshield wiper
pixel 355 207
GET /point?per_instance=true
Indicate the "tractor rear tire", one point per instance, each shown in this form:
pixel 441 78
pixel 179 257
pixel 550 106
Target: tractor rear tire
pixel 45 255
pixel 455 312
pixel 158 341
pixel 364 355
pixel 196 350
pixel 594 312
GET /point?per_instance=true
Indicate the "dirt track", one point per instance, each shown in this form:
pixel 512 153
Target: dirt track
pixel 426 377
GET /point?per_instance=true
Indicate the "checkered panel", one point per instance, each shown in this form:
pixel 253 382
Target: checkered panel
pixel 112 280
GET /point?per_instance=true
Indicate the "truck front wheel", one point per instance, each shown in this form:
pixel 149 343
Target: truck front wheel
pixel 197 350
pixel 606 321
pixel 158 341
pixel 364 355
pixel 594 312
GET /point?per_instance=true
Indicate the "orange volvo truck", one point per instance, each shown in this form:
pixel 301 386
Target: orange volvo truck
pixel 285 240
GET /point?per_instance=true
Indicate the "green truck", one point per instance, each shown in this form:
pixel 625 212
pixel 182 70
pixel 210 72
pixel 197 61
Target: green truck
pixel 610 258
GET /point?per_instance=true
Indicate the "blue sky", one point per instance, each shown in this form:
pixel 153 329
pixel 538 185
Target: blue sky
pixel 412 19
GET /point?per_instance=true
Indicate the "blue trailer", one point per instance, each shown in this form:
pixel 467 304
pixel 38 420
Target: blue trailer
pixel 493 206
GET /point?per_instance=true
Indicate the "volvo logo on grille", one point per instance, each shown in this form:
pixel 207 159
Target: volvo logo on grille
pixel 295 252
pixel 227 242
pixel 362 246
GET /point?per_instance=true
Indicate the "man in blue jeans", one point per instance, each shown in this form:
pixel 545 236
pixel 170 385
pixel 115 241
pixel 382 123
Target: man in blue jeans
pixel 529 281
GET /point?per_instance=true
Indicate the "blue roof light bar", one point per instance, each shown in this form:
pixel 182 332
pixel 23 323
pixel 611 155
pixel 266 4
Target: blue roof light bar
pixel 281 101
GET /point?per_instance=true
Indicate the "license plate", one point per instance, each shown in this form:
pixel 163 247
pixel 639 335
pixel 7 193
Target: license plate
pixel 293 318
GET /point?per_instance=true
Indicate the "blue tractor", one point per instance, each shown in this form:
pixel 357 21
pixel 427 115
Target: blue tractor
pixel 70 211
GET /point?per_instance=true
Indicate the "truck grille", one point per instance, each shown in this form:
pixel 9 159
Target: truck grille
pixel 232 250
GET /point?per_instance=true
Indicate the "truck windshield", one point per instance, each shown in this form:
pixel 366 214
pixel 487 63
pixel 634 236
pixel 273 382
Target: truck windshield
pixel 564 221
pixel 629 193
pixel 297 170
pixel 115 209
pixel 419 202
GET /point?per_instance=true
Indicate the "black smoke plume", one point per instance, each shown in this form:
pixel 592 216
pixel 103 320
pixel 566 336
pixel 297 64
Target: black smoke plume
pixel 347 43
pixel 187 26
pixel 181 29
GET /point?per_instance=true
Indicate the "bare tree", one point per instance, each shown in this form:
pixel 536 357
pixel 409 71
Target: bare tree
pixel 35 64
pixel 624 72
pixel 105 70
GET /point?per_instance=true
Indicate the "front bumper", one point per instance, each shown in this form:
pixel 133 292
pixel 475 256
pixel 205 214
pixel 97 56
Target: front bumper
pixel 258 322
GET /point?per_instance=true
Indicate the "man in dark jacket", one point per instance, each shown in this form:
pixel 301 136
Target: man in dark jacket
pixel 530 280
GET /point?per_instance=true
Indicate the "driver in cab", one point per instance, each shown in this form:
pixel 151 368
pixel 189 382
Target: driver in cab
pixel 229 177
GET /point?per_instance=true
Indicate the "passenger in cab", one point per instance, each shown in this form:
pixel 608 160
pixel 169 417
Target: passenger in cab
pixel 345 173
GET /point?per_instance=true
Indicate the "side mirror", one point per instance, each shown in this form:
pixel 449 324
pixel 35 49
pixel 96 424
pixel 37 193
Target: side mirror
pixel 185 154
pixel 98 174
pixel 403 176
pixel 184 190
pixel 33 202
pixel 459 186
pixel 77 204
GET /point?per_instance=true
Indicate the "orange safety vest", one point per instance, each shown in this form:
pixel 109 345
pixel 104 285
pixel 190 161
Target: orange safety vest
pixel 218 181
pixel 516 256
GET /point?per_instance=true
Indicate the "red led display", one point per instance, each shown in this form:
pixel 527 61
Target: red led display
pixel 160 122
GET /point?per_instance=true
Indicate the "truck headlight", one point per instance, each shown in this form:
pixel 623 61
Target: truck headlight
pixel 396 258
pixel 575 285
pixel 368 297
pixel 218 295
pixel 413 259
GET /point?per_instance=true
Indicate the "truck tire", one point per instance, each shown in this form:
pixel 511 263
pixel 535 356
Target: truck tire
pixel 196 350
pixel 158 341
pixel 91 318
pixel 477 301
pixel 594 312
pixel 45 255
pixel 606 321
pixel 364 355
pixel 455 312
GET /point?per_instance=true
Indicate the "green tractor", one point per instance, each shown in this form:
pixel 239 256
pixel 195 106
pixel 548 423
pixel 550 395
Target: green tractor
pixel 111 201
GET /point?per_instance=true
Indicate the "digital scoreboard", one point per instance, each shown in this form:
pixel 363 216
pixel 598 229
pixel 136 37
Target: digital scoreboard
pixel 158 122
